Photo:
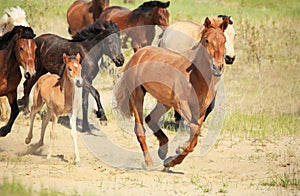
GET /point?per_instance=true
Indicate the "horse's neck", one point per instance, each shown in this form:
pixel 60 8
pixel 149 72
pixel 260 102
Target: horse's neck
pixel 67 85
pixel 98 7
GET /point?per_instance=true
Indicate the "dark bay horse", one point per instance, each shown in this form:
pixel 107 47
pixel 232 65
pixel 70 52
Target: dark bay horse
pixel 139 24
pixel 81 14
pixel 185 82
pixel 17 48
pixel 99 38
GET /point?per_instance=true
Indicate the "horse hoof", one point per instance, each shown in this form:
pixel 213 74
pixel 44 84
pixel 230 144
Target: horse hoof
pixel 27 140
pixel 103 123
pixel 168 162
pixel 4 131
pixel 166 169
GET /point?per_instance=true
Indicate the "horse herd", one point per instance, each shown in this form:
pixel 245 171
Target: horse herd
pixel 182 72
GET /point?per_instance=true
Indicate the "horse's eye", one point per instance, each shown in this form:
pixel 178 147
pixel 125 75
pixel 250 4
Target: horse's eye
pixel 70 69
pixel 206 41
pixel 21 49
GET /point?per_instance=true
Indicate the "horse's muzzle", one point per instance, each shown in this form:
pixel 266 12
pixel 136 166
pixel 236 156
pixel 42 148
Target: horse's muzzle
pixel 119 60
pixel 217 71
pixel 28 75
pixel 229 60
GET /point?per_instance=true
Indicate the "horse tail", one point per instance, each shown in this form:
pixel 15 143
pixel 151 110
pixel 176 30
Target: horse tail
pixel 122 96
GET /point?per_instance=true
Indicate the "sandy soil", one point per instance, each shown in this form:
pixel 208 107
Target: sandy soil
pixel 233 167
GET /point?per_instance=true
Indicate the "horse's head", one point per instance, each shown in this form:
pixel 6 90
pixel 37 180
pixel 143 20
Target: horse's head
pixel 111 42
pixel 73 67
pixel 229 44
pixel 213 39
pixel 157 13
pixel 25 48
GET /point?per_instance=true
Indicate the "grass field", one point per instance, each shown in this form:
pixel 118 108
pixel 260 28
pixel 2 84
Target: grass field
pixel 263 84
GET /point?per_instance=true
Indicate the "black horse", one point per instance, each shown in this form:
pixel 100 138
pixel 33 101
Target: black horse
pixel 99 38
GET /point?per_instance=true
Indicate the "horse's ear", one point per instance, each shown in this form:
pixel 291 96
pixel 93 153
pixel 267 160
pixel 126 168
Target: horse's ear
pixel 65 57
pixel 78 57
pixel 167 4
pixel 7 13
pixel 207 23
pixel 224 24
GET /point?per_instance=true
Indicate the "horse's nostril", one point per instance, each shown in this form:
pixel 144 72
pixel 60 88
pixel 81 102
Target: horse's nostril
pixel 27 75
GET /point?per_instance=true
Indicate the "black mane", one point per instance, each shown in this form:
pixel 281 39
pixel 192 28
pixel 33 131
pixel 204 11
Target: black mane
pixel 26 33
pixel 104 28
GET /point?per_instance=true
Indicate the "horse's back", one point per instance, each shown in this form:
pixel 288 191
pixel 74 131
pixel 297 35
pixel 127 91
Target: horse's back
pixel 116 14
pixel 181 36
pixel 79 16
pixel 157 55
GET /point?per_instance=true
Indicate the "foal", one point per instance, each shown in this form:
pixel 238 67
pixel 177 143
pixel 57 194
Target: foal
pixel 60 98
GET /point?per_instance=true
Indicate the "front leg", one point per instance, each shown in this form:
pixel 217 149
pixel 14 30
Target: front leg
pixel 12 99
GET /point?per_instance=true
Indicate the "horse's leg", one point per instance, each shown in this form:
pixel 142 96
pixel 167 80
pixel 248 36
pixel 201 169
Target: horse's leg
pixel 14 112
pixel 136 102
pixel 85 104
pixel 72 118
pixel 184 150
pixel 52 135
pixel 95 93
pixel 34 109
pixel 45 122
pixel 152 121
pixel 3 108
pixel 177 118
pixel 27 85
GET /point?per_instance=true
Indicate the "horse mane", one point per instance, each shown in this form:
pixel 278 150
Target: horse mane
pixel 229 18
pixel 26 33
pixel 148 6
pixel 104 28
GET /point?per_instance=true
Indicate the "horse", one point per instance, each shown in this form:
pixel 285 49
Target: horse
pixel 187 34
pixel 60 97
pixel 139 24
pixel 81 14
pixel 185 82
pixel 14 16
pixel 17 48
pixel 91 43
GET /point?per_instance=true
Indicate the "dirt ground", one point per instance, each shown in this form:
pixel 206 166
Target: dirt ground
pixel 232 167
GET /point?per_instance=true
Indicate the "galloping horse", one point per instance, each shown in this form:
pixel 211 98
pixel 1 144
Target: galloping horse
pixel 59 95
pixel 183 35
pixel 139 23
pixel 81 14
pixel 99 38
pixel 14 16
pixel 17 48
pixel 186 83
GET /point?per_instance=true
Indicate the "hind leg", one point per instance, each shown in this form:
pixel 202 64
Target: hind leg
pixel 136 102
pixel 37 105
pixel 52 135
pixel 152 121
pixel 3 108
pixel 45 122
